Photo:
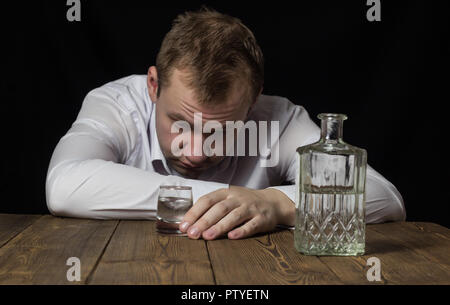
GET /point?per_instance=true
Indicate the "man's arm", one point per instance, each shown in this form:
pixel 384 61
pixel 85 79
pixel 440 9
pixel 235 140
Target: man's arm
pixel 86 178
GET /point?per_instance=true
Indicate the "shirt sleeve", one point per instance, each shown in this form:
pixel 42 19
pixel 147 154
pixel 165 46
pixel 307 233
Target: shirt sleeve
pixel 86 176
pixel 383 201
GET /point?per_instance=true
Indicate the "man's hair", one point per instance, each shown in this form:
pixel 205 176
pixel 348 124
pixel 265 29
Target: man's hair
pixel 217 51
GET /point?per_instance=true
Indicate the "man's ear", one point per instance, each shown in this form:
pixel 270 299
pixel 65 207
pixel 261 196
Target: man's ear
pixel 152 83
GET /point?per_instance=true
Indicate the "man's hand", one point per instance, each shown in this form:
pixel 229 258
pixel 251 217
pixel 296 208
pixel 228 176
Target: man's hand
pixel 238 211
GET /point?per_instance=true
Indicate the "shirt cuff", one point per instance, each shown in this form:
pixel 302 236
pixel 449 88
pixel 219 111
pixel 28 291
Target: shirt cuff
pixel 288 190
pixel 200 188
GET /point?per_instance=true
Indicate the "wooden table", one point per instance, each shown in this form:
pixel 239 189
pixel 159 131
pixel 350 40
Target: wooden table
pixel 34 250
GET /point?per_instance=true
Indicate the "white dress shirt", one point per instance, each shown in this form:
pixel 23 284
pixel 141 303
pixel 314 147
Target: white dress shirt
pixel 110 164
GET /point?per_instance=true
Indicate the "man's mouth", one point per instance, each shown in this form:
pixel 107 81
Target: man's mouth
pixel 189 166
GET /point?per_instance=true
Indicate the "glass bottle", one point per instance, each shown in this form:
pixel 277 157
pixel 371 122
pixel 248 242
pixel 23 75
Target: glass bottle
pixel 330 201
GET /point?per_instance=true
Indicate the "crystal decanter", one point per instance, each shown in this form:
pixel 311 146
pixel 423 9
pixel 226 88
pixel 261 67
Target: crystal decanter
pixel 330 200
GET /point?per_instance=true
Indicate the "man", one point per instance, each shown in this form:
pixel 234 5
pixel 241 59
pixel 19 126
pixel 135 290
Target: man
pixel 125 140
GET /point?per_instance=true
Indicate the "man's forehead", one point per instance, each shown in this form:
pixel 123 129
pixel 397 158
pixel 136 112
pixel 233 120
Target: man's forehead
pixel 184 101
pixel 192 119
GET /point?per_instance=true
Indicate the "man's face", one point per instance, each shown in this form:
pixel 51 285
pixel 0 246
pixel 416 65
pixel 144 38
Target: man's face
pixel 179 103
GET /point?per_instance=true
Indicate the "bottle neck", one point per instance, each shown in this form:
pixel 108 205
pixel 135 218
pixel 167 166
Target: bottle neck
pixel 332 127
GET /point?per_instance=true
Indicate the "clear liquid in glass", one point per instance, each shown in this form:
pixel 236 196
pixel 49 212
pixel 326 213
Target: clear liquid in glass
pixel 172 209
pixel 173 203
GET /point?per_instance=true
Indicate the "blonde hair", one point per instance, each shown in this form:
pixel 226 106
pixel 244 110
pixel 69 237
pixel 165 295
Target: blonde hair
pixel 216 50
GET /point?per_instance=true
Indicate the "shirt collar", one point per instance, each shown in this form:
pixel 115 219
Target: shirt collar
pixel 157 157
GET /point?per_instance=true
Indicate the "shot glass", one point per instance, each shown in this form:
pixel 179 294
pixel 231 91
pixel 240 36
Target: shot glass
pixel 173 202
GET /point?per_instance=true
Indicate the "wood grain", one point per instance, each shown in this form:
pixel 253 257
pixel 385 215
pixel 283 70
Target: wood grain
pixel 38 255
pixel 266 259
pixel 349 270
pixel 424 250
pixel 402 260
pixel 353 270
pixel 137 254
pixel 11 225
pixel 34 250
pixel 430 228
pixel 431 242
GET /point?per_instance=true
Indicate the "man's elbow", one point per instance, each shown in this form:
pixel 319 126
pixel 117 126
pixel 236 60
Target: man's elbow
pixel 396 210
pixel 57 202
pixel 60 193
pixel 386 209
pixel 55 208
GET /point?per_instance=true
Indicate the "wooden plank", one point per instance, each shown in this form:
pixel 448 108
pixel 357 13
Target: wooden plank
pixel 400 263
pixel 137 254
pixel 350 270
pixel 12 224
pixel 430 227
pixel 38 255
pixel 266 259
pixel 428 240
pixel 399 246
pixel 353 270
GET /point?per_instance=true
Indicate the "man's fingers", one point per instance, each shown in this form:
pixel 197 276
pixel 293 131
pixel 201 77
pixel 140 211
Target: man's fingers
pixel 236 217
pixel 211 217
pixel 202 205
pixel 251 227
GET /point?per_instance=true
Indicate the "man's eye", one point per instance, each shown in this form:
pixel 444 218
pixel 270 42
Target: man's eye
pixel 179 124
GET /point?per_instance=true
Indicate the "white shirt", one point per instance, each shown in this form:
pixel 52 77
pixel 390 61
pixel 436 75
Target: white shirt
pixel 110 164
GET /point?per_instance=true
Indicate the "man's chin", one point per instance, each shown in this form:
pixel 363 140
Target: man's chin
pixel 190 173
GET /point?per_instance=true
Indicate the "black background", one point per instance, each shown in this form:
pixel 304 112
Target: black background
pixel 390 77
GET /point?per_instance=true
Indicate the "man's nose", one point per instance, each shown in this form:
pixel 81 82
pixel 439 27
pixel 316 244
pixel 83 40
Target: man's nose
pixel 197 154
pixel 196 160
